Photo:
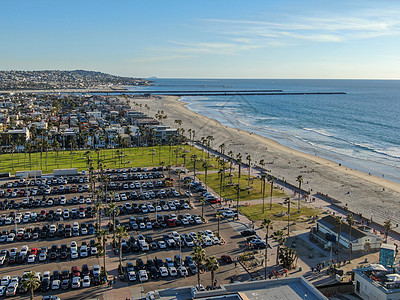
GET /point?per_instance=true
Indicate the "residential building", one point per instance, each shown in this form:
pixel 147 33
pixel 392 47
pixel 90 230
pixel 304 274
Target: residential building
pixel 362 239
pixel 377 282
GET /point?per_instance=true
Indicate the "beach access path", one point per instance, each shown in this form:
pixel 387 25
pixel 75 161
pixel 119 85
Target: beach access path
pixel 362 193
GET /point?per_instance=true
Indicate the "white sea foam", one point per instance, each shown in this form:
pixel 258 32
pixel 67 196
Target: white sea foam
pixel 319 131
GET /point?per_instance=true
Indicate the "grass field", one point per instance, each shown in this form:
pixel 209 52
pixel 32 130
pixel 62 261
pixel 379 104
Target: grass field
pixel 246 192
pixel 254 212
pixel 111 158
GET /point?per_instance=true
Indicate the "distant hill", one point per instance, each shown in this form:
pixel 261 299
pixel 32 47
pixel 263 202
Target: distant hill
pixel 56 79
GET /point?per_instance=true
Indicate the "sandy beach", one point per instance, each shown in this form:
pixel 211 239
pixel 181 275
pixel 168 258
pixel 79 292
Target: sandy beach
pixel 362 193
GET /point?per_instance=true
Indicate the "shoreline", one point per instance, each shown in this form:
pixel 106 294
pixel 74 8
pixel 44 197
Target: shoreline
pixel 379 196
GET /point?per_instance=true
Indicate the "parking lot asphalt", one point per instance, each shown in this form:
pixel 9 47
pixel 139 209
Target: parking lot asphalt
pixel 233 245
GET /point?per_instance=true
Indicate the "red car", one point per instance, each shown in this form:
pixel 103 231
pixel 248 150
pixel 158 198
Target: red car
pixel 75 271
pixel 227 259
pixel 34 251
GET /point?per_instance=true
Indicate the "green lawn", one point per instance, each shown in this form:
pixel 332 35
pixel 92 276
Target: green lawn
pixel 247 192
pixel 130 157
pixel 254 212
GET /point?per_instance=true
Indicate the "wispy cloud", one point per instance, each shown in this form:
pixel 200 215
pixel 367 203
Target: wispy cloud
pixel 236 36
pixel 322 29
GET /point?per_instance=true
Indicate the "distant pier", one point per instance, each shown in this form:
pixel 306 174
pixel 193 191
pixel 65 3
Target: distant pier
pixel 175 93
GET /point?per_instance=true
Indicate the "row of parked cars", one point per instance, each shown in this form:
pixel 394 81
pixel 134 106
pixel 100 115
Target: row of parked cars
pixel 51 215
pixel 45 201
pixel 146 243
pixel 43 190
pixel 26 255
pixel 156 268
pixel 66 279
pixel 46 181
pixel 47 231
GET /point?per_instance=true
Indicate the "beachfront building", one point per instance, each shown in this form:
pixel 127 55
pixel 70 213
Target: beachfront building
pixel 283 288
pixel 163 133
pixel 362 239
pixel 377 282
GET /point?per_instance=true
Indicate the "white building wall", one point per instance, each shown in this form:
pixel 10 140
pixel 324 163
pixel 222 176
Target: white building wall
pixel 369 290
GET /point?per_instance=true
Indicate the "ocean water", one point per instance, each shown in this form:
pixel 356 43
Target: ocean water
pixel 360 129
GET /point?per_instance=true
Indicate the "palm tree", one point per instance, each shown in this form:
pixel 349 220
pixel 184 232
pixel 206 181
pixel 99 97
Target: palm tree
pixel 267 223
pixel 239 161
pixel 102 238
pixel 113 211
pixel 97 207
pixel 387 225
pixel 121 233
pixel 288 215
pixel 271 180
pixel 222 148
pixel 205 166
pixel 194 159
pixel 248 158
pixel 263 176
pixel 199 256
pixel 350 222
pixel 31 282
pixel 339 223
pixel 218 216
pixel 202 200
pixel 212 265
pixel 230 153
pixel 299 179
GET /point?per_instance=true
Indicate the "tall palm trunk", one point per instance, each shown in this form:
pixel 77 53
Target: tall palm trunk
pixel 266 252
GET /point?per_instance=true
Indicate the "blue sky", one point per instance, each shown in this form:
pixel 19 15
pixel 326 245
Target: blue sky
pixel 204 39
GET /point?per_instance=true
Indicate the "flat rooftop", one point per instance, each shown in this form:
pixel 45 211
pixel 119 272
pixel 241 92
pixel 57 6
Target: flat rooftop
pixel 290 288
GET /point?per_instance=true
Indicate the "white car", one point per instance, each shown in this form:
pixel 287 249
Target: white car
pixel 10 237
pixel 186 206
pixel 76 283
pixel 175 236
pixel 74 246
pixel 84 251
pixel 75 226
pixel 42 256
pixel 229 214
pixel 215 240
pixel 131 276
pixel 163 272
pixel 31 259
pixel 183 271
pixel 208 241
pixel 74 254
pixel 24 250
pixel 209 233
pixel 5 280
pixel 162 245
pixel 143 276
pixel 96 270
pixel 172 271
pixel 86 281
pixel 15 279
pixel 198 220
pixel 55 285
pixel 46 275
pixel 93 251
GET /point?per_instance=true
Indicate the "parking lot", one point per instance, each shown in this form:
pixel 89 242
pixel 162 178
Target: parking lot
pixel 151 208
